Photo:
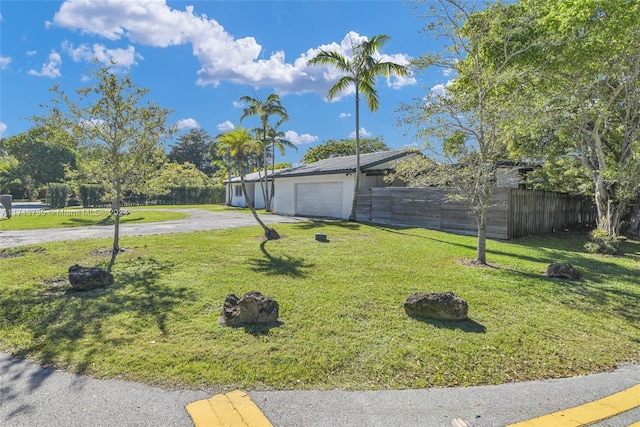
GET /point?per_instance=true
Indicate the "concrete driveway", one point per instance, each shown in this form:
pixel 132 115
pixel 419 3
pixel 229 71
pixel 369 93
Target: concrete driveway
pixel 198 220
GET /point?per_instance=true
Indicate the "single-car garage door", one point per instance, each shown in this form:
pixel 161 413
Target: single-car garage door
pixel 321 199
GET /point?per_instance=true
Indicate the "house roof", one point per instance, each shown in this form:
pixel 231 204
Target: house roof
pixel 345 164
pixel 254 176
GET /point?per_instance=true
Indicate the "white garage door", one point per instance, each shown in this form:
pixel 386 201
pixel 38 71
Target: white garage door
pixel 321 199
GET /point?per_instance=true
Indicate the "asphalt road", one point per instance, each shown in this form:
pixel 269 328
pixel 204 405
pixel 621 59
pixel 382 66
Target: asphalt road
pixel 32 395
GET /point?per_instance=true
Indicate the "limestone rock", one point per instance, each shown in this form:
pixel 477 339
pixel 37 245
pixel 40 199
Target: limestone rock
pixel 436 305
pixel 252 308
pixel 87 278
pixel 562 270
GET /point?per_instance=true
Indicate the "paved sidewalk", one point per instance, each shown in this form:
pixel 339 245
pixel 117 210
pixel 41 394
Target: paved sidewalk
pixel 31 395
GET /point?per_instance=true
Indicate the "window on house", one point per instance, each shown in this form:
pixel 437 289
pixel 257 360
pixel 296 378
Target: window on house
pixel 237 191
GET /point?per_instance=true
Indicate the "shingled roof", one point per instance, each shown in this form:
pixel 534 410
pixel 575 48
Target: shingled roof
pixel 345 164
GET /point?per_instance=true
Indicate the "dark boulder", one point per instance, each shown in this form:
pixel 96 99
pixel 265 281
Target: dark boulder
pixel 562 270
pixel 436 305
pixel 87 278
pixel 252 308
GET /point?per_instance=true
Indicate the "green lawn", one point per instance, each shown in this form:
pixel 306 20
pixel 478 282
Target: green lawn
pixel 341 308
pixel 24 219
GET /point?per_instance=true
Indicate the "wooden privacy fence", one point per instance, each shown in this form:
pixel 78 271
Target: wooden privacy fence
pixel 513 212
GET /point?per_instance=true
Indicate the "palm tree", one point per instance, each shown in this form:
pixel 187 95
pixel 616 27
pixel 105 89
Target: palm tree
pixel 276 139
pixel 264 110
pixel 239 145
pixel 360 71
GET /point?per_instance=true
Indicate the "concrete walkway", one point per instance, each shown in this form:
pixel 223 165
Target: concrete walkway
pixel 32 395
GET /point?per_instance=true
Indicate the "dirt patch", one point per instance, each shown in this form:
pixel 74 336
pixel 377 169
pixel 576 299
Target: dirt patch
pixel 468 262
pixel 18 252
pixel 107 252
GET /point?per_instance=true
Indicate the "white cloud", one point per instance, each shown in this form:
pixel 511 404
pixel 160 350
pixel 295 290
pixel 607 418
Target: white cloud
pixel 363 133
pixel 345 115
pixel 123 58
pixel 222 57
pixel 51 68
pixel 32 52
pixel 4 62
pixel 3 129
pixel 187 124
pixel 225 126
pixel 295 138
pixel 440 89
pixel 237 104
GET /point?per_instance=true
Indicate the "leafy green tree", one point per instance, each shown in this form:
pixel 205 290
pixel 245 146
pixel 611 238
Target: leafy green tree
pixel 582 93
pixel 239 145
pixel 195 148
pixel 172 174
pixel 121 138
pixel 42 154
pixel 462 124
pixel 267 132
pixel 360 71
pixel 343 147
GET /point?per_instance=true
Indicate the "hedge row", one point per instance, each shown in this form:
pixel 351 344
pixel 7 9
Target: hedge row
pixel 57 195
pixel 91 195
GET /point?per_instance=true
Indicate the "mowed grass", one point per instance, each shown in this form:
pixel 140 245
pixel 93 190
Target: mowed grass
pixel 32 219
pixel 341 309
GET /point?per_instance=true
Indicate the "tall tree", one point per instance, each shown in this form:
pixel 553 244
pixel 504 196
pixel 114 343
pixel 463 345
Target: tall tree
pixel 42 154
pixel 121 138
pixel 583 98
pixel 360 71
pixel 265 110
pixel 196 148
pixel 343 147
pixel 462 122
pixel 239 145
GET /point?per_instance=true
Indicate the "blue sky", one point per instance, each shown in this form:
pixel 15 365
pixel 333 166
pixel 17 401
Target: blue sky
pixel 198 58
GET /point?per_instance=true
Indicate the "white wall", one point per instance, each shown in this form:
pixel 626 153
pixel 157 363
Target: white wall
pixel 254 189
pixel 285 190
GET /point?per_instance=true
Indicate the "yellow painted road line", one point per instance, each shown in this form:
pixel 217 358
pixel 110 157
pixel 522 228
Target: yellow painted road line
pixel 634 424
pixel 234 409
pixel 589 413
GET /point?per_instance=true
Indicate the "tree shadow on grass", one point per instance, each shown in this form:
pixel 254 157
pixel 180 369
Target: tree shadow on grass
pixel 467 325
pixel 283 265
pixel 65 327
pixel 594 292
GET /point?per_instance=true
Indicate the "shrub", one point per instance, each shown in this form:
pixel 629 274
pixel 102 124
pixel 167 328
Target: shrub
pixel 91 195
pixel 602 243
pixel 57 195
pixel 193 195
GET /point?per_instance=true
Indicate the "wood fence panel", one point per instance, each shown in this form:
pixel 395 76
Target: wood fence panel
pixel 513 212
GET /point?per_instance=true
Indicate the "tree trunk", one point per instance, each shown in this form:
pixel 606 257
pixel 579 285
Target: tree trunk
pixel 634 226
pixel 269 233
pixel 229 189
pixel 115 210
pixel 609 213
pixel 481 249
pixel 356 178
